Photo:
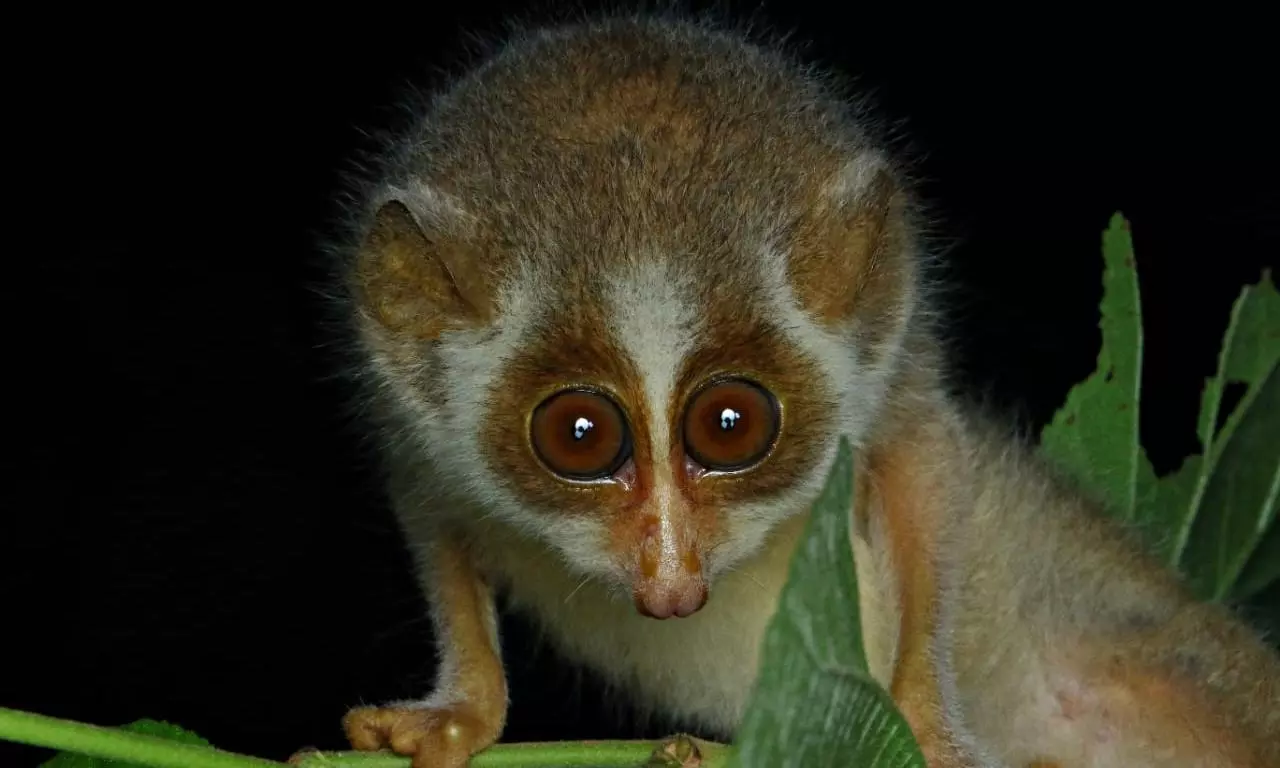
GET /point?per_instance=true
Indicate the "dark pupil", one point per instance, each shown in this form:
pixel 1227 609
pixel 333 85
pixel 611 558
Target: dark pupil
pixel 729 418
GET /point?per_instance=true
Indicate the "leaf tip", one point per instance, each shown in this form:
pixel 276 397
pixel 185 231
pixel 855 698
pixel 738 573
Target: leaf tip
pixel 1266 283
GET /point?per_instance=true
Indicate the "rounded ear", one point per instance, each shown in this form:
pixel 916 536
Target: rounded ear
pixel 851 262
pixel 415 273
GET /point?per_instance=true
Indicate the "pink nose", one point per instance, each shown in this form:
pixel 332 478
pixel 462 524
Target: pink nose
pixel 660 600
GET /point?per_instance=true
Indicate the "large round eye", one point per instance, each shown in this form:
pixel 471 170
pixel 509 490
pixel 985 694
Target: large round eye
pixel 730 425
pixel 580 435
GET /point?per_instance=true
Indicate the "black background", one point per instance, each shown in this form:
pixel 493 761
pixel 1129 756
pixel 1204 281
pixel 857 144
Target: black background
pixel 194 533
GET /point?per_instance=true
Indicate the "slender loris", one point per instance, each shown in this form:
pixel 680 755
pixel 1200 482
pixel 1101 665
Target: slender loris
pixel 618 294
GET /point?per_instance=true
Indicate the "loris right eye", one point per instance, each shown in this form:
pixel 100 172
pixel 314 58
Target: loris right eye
pixel 580 435
pixel 731 425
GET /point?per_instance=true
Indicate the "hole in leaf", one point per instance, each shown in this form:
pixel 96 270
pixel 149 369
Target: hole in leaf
pixel 1232 394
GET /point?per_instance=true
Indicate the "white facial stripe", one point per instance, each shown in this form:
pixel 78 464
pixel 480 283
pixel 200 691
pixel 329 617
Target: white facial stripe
pixel 472 362
pixel 834 354
pixel 861 387
pixel 653 319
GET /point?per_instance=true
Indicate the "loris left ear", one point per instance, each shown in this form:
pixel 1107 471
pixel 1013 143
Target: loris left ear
pixel 418 270
pixel 851 260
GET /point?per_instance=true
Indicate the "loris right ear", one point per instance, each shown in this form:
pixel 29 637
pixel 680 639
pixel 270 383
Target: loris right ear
pixel 852 261
pixel 417 274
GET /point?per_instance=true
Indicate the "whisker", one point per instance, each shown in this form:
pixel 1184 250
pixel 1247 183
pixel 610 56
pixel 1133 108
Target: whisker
pixel 758 582
pixel 581 584
pixel 737 570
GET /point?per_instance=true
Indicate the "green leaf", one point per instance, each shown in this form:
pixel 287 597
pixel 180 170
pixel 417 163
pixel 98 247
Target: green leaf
pixel 1094 436
pixel 1212 518
pixel 1263 568
pixel 165 731
pixel 815 703
pixel 144 744
pixel 146 727
pixel 1239 498
pixel 1232 487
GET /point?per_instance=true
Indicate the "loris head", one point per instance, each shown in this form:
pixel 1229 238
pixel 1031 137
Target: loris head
pixel 627 288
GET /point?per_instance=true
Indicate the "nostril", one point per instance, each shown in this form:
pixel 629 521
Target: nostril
pixel 692 601
pixel 659 599
pixel 655 602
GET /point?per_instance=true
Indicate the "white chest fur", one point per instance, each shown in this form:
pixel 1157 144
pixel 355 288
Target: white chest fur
pixel 701 667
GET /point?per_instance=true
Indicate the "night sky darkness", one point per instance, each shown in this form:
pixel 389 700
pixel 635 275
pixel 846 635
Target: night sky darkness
pixel 195 533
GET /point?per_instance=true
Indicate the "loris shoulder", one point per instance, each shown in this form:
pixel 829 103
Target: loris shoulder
pixel 618 295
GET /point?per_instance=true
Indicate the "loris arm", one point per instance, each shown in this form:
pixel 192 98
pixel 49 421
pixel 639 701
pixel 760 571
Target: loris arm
pixel 467 711
pixel 914 479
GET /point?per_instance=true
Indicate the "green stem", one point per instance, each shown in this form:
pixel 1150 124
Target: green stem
pixel 564 754
pixel 115 744
pixel 155 752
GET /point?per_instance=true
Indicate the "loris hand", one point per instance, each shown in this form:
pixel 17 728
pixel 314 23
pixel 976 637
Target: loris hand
pixel 436 734
pixel 444 737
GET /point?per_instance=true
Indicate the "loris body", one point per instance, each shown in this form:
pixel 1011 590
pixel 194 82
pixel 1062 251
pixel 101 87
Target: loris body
pixel 619 294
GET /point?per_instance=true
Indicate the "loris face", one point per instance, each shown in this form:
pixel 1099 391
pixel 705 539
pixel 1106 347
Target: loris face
pixel 662 425
pixel 626 334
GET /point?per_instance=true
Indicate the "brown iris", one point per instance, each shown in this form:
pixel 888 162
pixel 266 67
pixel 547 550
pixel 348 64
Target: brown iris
pixel 580 435
pixel 730 425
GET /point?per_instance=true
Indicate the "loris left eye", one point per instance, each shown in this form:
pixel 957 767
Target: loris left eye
pixel 731 425
pixel 581 435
